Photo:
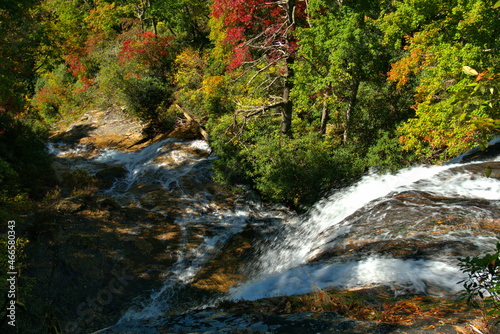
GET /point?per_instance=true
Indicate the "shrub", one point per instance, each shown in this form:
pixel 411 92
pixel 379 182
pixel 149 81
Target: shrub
pixel 80 182
pixel 58 94
pixel 301 170
pixel 24 163
pixel 387 153
pixel 296 171
pixel 148 98
pixel 483 283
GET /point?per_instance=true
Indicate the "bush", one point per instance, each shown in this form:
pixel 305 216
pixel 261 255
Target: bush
pixel 24 162
pixel 483 283
pixel 295 171
pixel 387 153
pixel 80 182
pixel 301 171
pixel 148 98
pixel 58 94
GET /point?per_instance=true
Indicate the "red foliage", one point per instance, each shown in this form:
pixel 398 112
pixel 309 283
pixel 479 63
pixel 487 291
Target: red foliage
pixel 261 23
pixel 145 47
pixel 78 69
pixel 75 65
pixel 240 56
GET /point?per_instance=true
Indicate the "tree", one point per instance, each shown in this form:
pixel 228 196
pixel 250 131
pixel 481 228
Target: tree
pixel 339 51
pixel 260 34
pixel 478 104
pixel 187 20
pixel 20 34
pixel 435 40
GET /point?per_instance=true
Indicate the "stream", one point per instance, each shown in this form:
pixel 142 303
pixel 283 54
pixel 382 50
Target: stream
pixel 404 230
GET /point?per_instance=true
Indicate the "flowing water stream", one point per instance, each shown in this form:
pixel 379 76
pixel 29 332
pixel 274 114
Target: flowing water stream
pixel 361 235
pixel 405 230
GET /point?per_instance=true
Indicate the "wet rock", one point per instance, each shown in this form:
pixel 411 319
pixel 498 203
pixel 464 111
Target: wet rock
pixel 214 321
pixel 476 154
pixel 226 268
pixel 110 174
pixel 411 225
pixel 481 169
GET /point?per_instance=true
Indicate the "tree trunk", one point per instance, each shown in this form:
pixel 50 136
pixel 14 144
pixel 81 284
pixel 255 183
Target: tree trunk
pixel 353 94
pixel 286 114
pixel 153 20
pixel 325 116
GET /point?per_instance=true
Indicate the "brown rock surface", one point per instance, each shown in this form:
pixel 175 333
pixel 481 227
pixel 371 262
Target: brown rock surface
pixel 112 128
pixel 87 266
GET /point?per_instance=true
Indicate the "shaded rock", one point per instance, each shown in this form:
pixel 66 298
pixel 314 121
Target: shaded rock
pixel 106 203
pixel 71 204
pixel 59 170
pixel 110 174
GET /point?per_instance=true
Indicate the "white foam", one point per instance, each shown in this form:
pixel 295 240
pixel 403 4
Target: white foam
pixel 283 268
pixel 414 275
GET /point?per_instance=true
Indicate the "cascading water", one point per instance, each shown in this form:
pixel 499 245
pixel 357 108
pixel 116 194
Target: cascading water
pixel 405 230
pixel 173 177
pixel 379 213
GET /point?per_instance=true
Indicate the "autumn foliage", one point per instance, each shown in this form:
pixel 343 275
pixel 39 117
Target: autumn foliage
pixel 257 26
pixel 146 48
pixel 286 87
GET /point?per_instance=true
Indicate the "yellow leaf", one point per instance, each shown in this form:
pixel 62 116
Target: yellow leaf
pixel 469 70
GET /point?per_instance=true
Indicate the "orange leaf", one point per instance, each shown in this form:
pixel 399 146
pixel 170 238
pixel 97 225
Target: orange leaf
pixel 480 76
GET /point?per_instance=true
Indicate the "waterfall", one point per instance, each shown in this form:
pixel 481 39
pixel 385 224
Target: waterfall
pixel 360 214
pixel 405 230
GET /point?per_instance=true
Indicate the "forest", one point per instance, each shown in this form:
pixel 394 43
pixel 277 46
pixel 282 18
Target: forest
pixel 299 97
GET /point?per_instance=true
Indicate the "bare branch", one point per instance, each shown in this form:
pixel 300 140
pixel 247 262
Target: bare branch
pixel 250 111
pixel 259 72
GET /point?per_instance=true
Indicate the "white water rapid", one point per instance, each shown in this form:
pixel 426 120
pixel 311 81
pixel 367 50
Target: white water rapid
pixel 173 177
pixel 360 214
pixel 361 236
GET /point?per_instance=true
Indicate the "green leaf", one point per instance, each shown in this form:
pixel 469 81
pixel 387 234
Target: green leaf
pixel 487 171
pixel 469 71
pixel 495 6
